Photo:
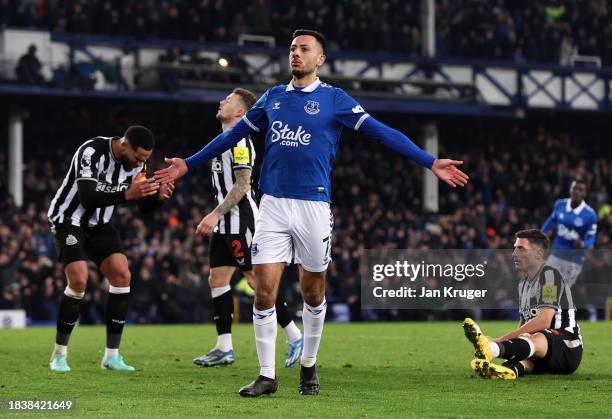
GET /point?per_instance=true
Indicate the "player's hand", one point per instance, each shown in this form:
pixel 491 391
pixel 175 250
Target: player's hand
pixel 166 190
pixel 208 224
pixel 446 170
pixel 140 190
pixel 176 169
pixel 579 244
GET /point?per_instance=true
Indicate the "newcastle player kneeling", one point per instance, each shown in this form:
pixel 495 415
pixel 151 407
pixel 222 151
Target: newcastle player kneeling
pixel 548 338
pixel 104 172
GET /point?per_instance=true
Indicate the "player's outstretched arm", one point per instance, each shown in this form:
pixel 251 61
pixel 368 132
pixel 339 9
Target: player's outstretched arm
pixel 222 142
pixel 445 169
pixel 176 169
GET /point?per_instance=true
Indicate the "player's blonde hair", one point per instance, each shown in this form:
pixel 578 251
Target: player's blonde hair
pixel 247 97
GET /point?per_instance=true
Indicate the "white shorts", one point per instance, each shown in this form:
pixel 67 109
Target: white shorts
pixel 293 229
pixel 569 270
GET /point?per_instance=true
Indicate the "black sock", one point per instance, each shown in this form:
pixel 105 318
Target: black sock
pixel 515 349
pixel 516 366
pixel 69 310
pixel 307 373
pixel 282 313
pixel 224 312
pixel 116 312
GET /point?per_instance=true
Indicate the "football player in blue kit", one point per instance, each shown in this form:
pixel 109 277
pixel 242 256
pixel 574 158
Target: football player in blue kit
pixel 302 122
pixel 575 226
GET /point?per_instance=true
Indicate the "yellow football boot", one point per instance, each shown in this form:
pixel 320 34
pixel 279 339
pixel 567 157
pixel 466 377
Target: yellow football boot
pixel 490 370
pixel 478 339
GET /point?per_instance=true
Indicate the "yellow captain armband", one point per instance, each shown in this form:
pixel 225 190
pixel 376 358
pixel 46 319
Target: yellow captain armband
pixel 241 155
pixel 549 293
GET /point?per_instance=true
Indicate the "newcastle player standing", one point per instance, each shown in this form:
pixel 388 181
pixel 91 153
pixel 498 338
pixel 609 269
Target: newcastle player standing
pixel 104 172
pixel 232 224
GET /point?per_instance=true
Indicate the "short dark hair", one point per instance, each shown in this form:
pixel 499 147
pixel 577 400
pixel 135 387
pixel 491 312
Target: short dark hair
pixel 318 36
pixel 248 97
pixel 536 237
pixel 580 180
pixel 139 136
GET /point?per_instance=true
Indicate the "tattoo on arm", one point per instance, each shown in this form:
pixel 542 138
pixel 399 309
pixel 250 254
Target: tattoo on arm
pixel 239 189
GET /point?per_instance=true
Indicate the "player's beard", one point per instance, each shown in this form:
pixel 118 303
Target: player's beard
pixel 300 74
pixel 127 165
pixel 223 117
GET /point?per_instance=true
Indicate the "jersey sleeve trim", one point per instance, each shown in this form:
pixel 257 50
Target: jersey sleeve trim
pixel 250 124
pixel 360 121
pixel 547 305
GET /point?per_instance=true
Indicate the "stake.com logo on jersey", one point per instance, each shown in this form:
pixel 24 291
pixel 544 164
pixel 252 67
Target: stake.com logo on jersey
pixel 287 136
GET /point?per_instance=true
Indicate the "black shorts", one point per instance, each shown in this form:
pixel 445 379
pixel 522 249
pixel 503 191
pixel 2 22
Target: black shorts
pixel 564 353
pixel 82 243
pixel 230 250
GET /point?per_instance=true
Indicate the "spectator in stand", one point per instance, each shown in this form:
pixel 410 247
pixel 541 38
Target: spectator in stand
pixel 29 68
pixel 515 30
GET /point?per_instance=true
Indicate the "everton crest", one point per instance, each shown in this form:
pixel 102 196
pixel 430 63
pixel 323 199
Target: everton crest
pixel 312 107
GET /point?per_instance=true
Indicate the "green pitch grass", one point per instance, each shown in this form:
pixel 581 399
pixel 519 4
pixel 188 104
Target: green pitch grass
pixel 366 370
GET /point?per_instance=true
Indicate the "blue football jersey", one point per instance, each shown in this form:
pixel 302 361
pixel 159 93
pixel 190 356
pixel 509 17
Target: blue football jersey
pixel 571 224
pixel 303 129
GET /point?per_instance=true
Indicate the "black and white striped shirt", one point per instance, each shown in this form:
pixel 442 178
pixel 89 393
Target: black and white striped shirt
pixel 93 162
pixel 241 218
pixel 549 289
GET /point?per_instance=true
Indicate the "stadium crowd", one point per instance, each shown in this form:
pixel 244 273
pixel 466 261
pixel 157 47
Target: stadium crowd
pixel 516 30
pixel 516 173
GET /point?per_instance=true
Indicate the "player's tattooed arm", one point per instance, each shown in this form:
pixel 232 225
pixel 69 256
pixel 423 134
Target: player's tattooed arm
pixel 240 188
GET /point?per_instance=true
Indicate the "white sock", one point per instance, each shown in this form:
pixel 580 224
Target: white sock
pixel 292 332
pixel 110 352
pixel 531 346
pixel 224 342
pixel 494 348
pixel 264 323
pixel 60 350
pixel 313 319
pixel 73 294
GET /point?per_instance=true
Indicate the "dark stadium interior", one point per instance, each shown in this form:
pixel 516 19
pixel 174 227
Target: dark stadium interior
pixel 512 30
